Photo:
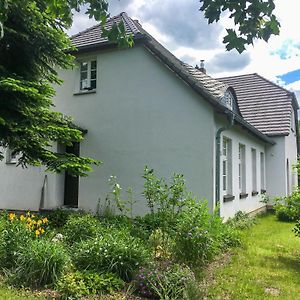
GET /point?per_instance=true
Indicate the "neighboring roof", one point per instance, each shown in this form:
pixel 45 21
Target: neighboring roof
pixel 262 103
pixel 211 89
pixel 92 36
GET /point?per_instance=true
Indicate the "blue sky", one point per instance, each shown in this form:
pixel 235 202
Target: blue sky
pixel 290 77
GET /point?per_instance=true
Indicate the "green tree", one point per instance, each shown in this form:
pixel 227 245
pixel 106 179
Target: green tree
pixel 253 19
pixel 32 45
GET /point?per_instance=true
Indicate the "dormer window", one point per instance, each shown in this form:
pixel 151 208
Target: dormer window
pixel 228 99
pixel 88 75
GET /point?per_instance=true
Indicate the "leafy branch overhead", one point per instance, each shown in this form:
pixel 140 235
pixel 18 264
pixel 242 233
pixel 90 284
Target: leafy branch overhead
pixel 33 46
pixel 253 19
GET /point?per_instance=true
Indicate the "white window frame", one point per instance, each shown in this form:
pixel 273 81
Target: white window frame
pixel 242 168
pixel 254 170
pixel 10 157
pixel 226 166
pixel 262 172
pixel 88 80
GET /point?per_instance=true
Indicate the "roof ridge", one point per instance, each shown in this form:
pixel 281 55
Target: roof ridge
pixel 97 25
pixel 234 76
pixel 129 21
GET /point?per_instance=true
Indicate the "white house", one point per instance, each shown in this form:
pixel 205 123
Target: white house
pixel 233 138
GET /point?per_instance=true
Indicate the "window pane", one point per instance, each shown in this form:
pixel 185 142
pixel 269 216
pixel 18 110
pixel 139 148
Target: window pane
pixel 83 84
pixel 224 175
pixel 224 147
pixel 93 64
pixel 93 84
pixel 84 66
pixel 83 75
pixel 93 75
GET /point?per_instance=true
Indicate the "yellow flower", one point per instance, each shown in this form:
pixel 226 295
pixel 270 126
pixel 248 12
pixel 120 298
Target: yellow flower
pixel 29 220
pixel 42 230
pixel 45 220
pixel 37 233
pixel 39 222
pixel 28 213
pixel 22 218
pixel 32 216
pixel 11 216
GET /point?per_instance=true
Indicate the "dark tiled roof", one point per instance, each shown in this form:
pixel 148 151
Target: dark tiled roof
pixel 263 104
pixel 92 36
pixel 215 87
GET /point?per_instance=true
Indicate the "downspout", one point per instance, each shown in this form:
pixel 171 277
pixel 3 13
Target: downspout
pixel 218 155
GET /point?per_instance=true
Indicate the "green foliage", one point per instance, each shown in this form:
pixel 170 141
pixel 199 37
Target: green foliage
pixel 164 281
pixel 14 237
pixel 79 284
pixel 241 220
pixel 288 208
pixel 58 218
pixel 42 262
pixel 297 229
pixel 114 251
pixel 81 227
pixel 161 196
pixel 253 19
pixel 201 235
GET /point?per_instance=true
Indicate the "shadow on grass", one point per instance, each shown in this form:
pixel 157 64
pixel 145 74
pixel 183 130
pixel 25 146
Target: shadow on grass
pixel 290 263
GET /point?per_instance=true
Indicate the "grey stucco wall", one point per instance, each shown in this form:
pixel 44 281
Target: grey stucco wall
pixel 276 175
pixel 142 114
pixel 21 188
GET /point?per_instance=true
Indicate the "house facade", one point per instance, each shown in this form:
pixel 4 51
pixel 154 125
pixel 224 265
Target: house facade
pixel 143 106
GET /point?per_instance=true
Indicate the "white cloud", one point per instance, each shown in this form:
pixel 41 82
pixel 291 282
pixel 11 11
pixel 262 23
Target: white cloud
pixel 295 86
pixel 179 26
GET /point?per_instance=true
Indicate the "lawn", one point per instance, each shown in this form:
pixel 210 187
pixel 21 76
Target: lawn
pixel 266 267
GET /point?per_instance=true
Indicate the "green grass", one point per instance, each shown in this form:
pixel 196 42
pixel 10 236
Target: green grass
pixel 266 267
pixel 8 293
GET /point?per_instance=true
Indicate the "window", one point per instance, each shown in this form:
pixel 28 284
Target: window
pixel 254 172
pixel 228 99
pixel 242 169
pixel 262 172
pixel 11 158
pixel 226 166
pixel 88 75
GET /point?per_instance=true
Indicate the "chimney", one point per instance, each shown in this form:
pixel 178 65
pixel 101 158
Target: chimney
pixel 202 68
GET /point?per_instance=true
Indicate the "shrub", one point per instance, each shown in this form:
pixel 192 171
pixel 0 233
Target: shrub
pixel 16 233
pixel 81 227
pixel 79 284
pixel 288 208
pixel 58 217
pixel 41 262
pixel 241 220
pixel 201 235
pixel 116 252
pixel 164 281
pixel 297 229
